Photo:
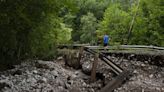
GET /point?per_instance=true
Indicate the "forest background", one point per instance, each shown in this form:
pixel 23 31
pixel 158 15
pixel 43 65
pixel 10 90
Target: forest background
pixel 33 28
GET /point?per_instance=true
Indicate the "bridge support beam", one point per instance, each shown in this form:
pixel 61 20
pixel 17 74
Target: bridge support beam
pixel 93 71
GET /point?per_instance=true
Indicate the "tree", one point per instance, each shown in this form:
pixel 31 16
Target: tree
pixel 88 28
pixel 96 7
pixel 147 26
pixel 28 28
pixel 115 23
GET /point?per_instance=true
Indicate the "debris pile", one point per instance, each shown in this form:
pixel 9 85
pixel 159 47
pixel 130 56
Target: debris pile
pixel 146 77
pixel 55 76
pixel 46 76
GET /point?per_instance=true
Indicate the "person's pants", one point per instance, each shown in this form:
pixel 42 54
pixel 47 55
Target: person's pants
pixel 105 44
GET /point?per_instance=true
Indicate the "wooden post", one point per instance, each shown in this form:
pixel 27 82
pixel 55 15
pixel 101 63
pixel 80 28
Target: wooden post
pixel 80 53
pixel 93 72
pixel 79 56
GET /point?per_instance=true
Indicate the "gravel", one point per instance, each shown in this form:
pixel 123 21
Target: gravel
pixel 54 76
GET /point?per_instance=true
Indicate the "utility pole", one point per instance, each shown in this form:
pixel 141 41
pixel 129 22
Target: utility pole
pixel 132 23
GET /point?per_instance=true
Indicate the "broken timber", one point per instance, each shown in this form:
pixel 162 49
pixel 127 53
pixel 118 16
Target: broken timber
pixel 116 82
pixel 93 71
pixel 121 75
pixel 115 68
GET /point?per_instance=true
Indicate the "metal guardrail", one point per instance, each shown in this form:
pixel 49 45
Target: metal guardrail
pixel 119 46
pixel 142 46
pixel 126 46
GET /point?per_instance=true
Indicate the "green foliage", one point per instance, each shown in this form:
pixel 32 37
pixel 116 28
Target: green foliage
pixel 30 28
pixel 88 28
pixel 115 22
pixel 96 7
pixel 64 34
pixel 33 28
pixel 147 27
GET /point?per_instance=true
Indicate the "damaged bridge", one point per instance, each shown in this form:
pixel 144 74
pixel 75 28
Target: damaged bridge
pixel 151 54
pixel 84 68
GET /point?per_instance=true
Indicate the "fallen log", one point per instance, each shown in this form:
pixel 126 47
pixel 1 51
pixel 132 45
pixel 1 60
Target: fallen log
pixel 116 82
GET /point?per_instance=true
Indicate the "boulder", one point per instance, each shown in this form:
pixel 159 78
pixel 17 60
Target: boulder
pixel 17 72
pixel 74 90
pixel 71 59
pixel 3 85
pixel 44 64
pixel 87 67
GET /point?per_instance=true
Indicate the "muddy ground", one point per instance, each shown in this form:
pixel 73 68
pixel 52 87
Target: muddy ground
pixel 55 76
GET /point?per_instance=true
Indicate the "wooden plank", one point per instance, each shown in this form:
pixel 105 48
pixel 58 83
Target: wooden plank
pixel 93 71
pixel 80 54
pixel 115 68
pixel 116 82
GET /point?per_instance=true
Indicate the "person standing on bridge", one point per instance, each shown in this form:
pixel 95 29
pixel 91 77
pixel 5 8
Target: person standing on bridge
pixel 106 40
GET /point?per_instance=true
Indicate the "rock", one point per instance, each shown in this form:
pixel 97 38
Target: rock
pixel 54 73
pixel 3 85
pixel 66 79
pixel 74 90
pixel 87 67
pixel 92 90
pixel 44 64
pixel 70 82
pixel 35 71
pixel 76 73
pixel 131 56
pixel 159 75
pixel 92 59
pixel 146 62
pixel 85 78
pixel 73 76
pixel 126 65
pixel 71 59
pixel 162 89
pixel 43 80
pixel 99 85
pixel 143 65
pixel 60 82
pixel 67 86
pixel 132 78
pixel 17 72
pixel 84 84
pixel 60 89
pixel 3 76
pixel 163 81
pixel 158 89
pixel 31 80
pixel 135 72
pixel 83 89
pixel 151 76
pixel 60 58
